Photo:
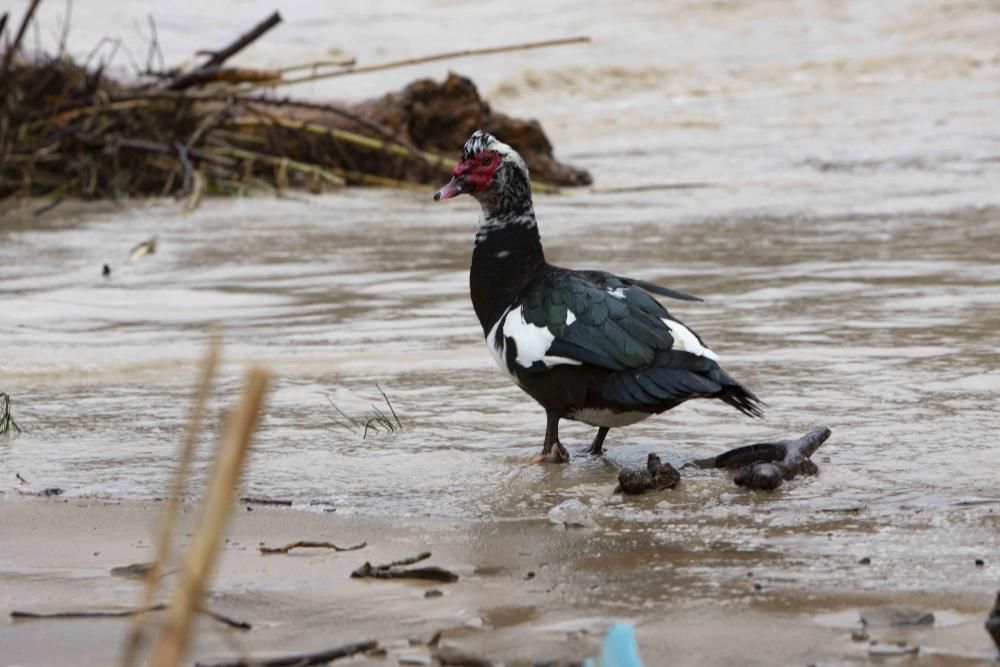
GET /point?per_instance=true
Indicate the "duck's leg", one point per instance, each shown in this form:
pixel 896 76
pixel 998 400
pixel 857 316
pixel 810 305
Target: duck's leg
pixel 597 446
pixel 552 449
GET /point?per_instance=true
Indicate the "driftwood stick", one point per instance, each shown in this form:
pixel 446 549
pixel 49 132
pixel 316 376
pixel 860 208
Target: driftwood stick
pixel 254 500
pixel 306 544
pixel 423 555
pixel 301 659
pixel 222 55
pixel 245 40
pixel 124 613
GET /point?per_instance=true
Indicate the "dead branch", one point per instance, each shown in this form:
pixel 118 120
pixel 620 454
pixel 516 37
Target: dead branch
pixel 211 68
pixel 244 40
pixel 300 659
pixel 306 544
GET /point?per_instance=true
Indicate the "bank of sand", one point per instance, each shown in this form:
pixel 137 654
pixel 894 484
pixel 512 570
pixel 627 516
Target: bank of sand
pixel 528 589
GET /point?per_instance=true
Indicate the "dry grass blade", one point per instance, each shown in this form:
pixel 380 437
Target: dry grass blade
pixel 168 521
pixel 11 51
pixel 347 136
pixel 7 423
pixel 172 644
pixel 331 176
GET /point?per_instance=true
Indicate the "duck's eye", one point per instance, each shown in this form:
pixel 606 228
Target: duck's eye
pixel 486 160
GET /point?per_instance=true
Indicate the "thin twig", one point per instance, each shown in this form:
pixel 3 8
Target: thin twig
pixel 300 659
pixel 125 613
pixel 449 55
pixel 306 544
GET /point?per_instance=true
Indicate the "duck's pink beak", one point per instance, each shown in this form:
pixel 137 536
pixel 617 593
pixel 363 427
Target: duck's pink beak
pixel 456 186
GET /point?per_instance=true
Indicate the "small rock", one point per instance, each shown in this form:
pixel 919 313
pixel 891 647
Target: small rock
pixel 865 561
pixel 433 593
pixel 980 562
pixel 414 659
pixel 860 635
pixel 891 616
pixel 133 571
pixel 529 576
pixel 877 648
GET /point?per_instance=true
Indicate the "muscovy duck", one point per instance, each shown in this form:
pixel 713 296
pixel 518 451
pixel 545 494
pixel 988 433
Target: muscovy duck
pixel 589 346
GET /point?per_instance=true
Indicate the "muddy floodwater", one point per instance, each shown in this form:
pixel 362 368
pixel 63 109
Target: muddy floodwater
pixel 826 177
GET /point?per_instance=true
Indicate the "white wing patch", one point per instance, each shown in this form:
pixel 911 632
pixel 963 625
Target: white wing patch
pixel 532 341
pixel 685 340
pixel 618 292
pixel 497 347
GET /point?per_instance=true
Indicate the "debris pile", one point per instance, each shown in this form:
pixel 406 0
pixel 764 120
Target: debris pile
pixel 69 129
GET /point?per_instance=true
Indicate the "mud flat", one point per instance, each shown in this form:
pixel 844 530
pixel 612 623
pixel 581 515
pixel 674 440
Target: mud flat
pixel 527 589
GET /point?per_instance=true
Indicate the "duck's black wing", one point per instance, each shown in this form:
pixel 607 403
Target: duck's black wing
pixel 612 322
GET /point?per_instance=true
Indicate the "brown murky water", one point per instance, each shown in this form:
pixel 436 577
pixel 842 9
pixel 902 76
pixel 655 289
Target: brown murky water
pixel 834 194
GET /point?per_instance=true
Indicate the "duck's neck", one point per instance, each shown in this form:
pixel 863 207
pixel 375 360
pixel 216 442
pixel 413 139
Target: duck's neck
pixel 507 256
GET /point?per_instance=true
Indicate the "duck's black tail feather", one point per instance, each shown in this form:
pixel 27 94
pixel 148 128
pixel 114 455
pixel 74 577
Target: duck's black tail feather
pixel 742 399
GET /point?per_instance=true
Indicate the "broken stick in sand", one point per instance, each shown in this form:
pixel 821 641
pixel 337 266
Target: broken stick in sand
pixel 390 571
pixel 123 613
pixel 306 544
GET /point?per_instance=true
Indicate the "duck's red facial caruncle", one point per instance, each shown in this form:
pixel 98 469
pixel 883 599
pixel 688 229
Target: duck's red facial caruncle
pixel 472 175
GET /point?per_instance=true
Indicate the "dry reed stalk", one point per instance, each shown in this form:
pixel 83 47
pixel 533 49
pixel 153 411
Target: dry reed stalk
pixel 9 54
pixel 164 537
pixel 450 55
pixel 343 135
pixel 331 176
pixel 173 642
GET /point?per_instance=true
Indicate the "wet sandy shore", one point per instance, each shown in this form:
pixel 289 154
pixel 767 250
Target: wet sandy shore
pixel 528 589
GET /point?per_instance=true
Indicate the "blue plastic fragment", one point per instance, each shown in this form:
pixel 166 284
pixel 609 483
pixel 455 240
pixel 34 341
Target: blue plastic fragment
pixel 619 649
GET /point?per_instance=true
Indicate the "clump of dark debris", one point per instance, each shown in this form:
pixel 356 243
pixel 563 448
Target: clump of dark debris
pixel 656 476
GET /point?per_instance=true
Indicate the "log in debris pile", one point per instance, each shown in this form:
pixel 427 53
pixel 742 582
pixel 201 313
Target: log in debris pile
pixel 67 128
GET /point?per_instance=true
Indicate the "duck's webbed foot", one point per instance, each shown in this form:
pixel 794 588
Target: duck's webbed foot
pixel 552 449
pixel 597 446
pixel 556 454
